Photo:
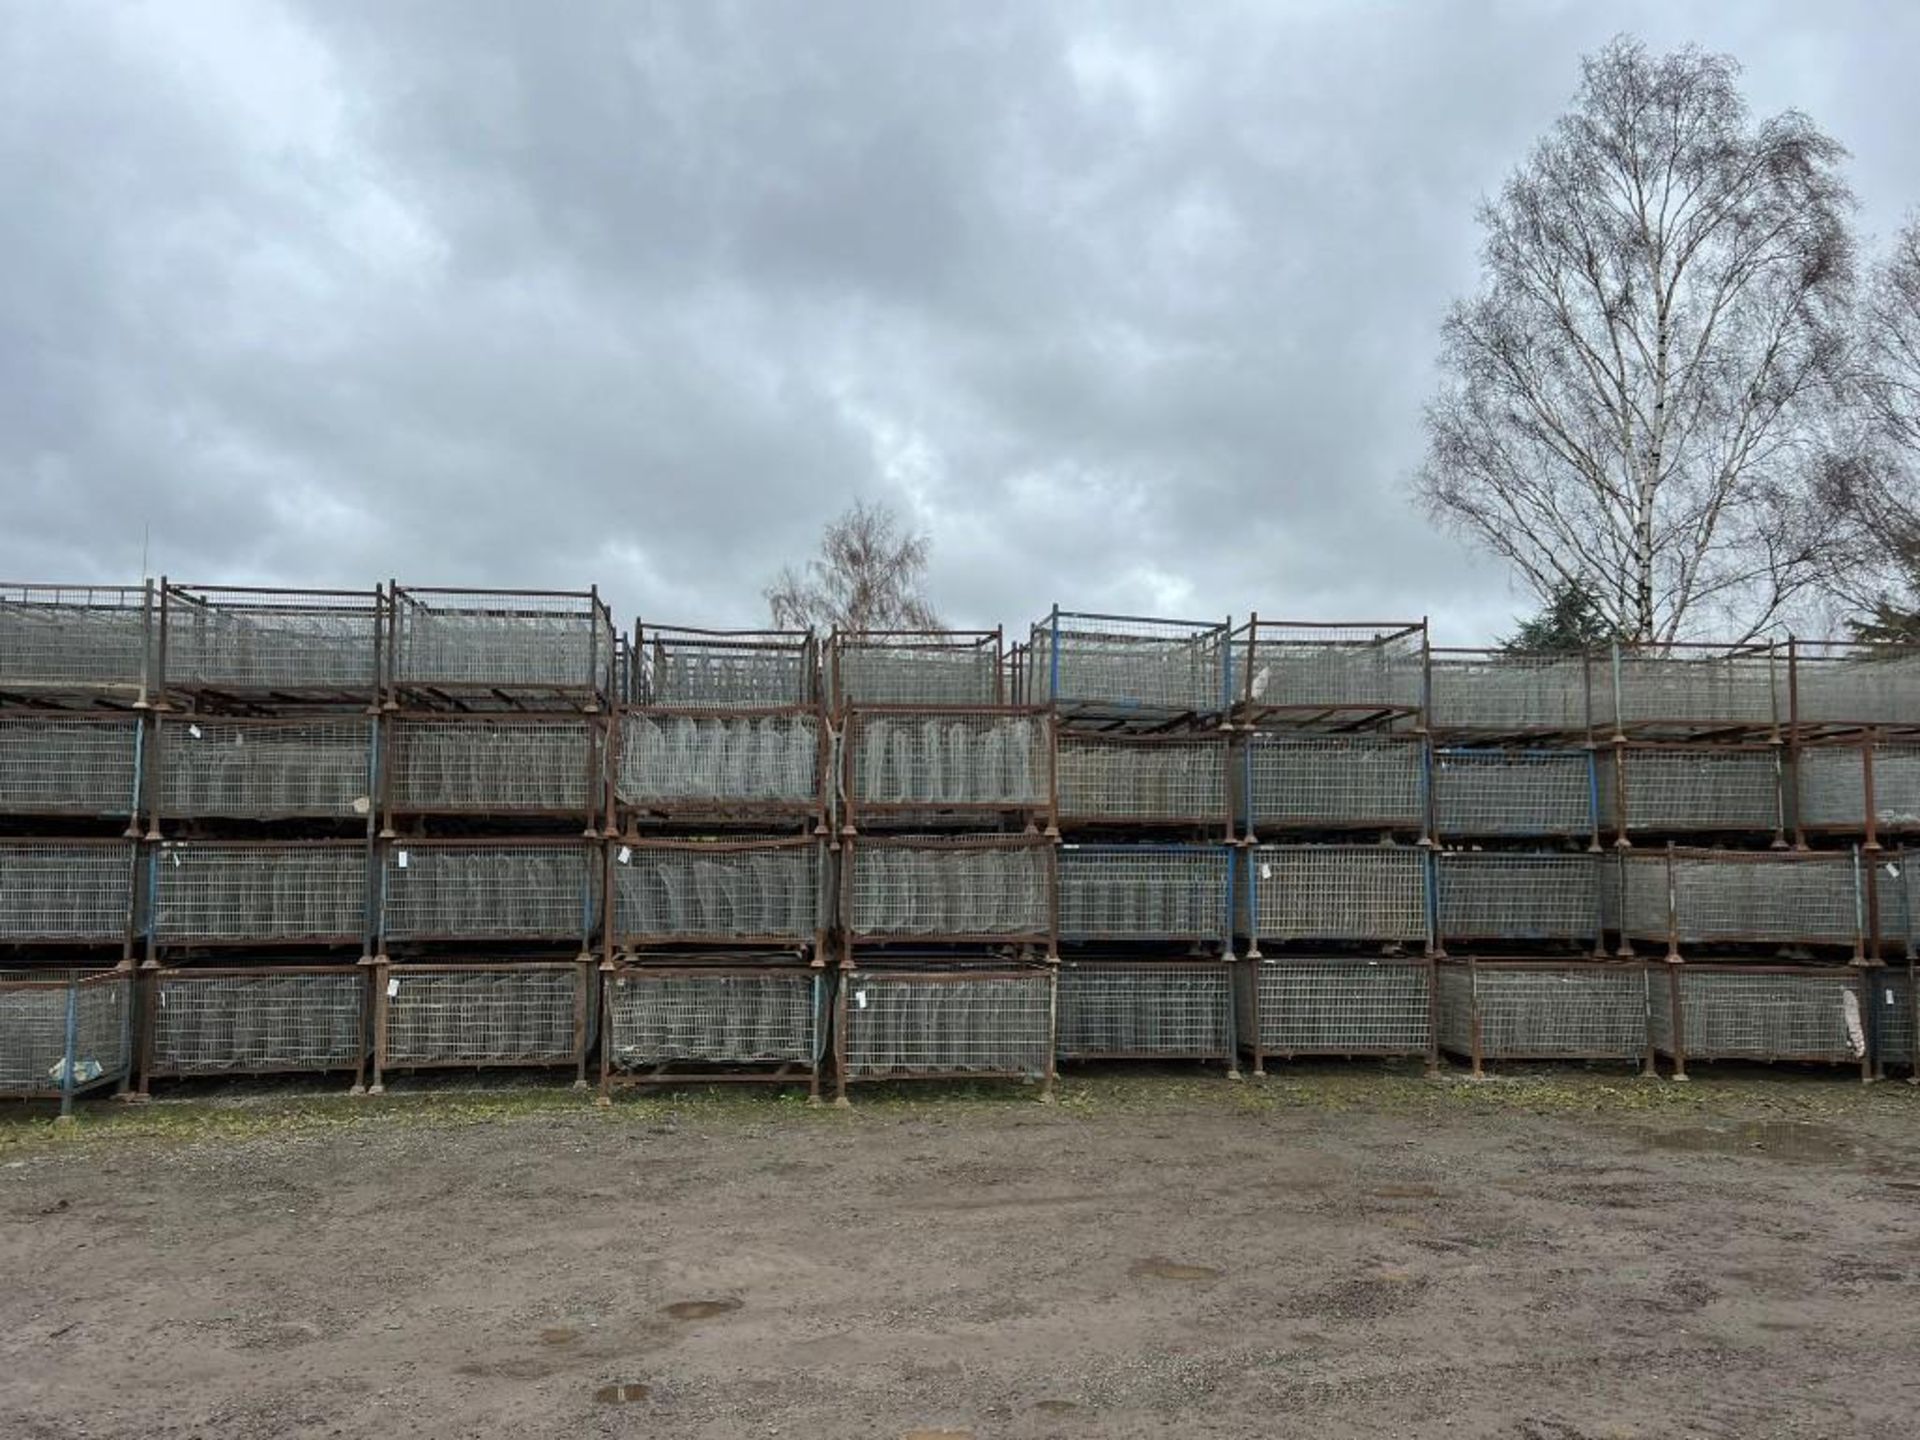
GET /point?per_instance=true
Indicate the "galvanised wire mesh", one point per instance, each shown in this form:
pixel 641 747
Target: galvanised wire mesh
pixel 727 1018
pixel 1295 666
pixel 262 770
pixel 1502 694
pixel 1336 1007
pixel 75 638
pixel 447 890
pixel 1122 665
pixel 1348 781
pixel 1635 896
pixel 64 891
pixel 1538 1012
pixel 1813 897
pixel 1142 781
pixel 269 891
pixel 1143 1010
pixel 1896 785
pixel 482 1015
pixel 1745 1014
pixel 1830 787
pixel 34 1058
pixel 260 1021
pixel 1145 892
pixel 1339 892
pixel 1514 792
pixel 902 668
pixel 1836 683
pixel 711 670
pixel 1692 788
pixel 509 640
pixel 927 889
pixel 910 1025
pixel 1892 990
pixel 50 766
pixel 1501 895
pixel 768 891
pixel 227 640
pixel 1689 688
pixel 933 760
pixel 492 765
pixel 719 760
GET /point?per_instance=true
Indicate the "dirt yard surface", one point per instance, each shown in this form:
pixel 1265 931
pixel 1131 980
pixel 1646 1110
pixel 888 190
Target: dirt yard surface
pixel 1348 1251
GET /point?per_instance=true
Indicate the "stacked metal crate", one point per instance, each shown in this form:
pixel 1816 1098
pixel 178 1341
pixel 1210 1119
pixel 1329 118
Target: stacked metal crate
pixel 943 816
pixel 495 735
pixel 1146 864
pixel 718 877
pixel 76 666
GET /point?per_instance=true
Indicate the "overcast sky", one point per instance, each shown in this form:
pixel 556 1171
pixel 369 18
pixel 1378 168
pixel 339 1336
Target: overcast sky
pixel 1131 307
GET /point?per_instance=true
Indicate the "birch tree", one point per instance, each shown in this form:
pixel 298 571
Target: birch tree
pixel 867 576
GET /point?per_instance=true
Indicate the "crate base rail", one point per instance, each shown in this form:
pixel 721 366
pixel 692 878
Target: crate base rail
pixel 530 1014
pixel 1772 1014
pixel 698 1032
pixel 1542 1009
pixel 253 1020
pixel 875 1011
pixel 1290 1006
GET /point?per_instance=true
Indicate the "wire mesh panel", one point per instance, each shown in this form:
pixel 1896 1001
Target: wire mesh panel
pixel 69 767
pixel 1325 669
pixel 1116 780
pixel 1739 1013
pixel 1685 789
pixel 1836 683
pixel 76 639
pixel 1126 665
pixel 918 1025
pixel 725 669
pixel 61 1030
pixel 930 888
pixel 1145 892
pixel 66 891
pixel 899 667
pixel 1358 782
pixel 1831 786
pixel 1141 1010
pixel 483 1015
pixel 262 769
pixel 1810 897
pixel 1893 1015
pixel 1335 1007
pixel 1498 693
pixel 1503 895
pixel 1544 1012
pixel 765 891
pixel 258 1021
pixel 260 892
pixel 932 760
pixel 1338 892
pixel 515 641
pixel 496 765
pixel 730 1017
pixel 723 761
pixel 234 641
pixel 1489 793
pixel 477 890
pixel 1695 687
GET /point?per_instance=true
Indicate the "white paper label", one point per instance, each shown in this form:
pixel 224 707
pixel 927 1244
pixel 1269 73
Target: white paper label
pixel 361 804
pixel 1266 871
pixel 174 855
pixel 393 987
pixel 625 854
pixel 860 998
pixel 1889 997
pixel 194 730
pixel 1893 871
pixel 400 858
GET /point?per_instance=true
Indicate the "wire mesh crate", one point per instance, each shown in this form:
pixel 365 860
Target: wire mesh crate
pixel 545 766
pixel 241 641
pixel 524 1013
pixel 1864 787
pixel 1687 689
pixel 1172 782
pixel 1316 1005
pixel 226 769
pixel 730 764
pixel 938 668
pixel 260 892
pixel 1312 672
pixel 1543 1010
pixel 1765 1013
pixel 1511 896
pixel 66 892
pixel 64 1033
pixel 77 641
pixel 1509 793
pixel 259 1020
pixel 948 890
pixel 1895 1019
pixel 1723 897
pixel 944 1024
pixel 767 892
pixel 686 669
pixel 1693 789
pixel 491 890
pixel 698 1024
pixel 1361 893
pixel 1495 693
pixel 923 763
pixel 545 644
pixel 1145 1010
pixel 1128 667
pixel 1146 892
pixel 1840 685
pixel 1333 782
pixel 72 766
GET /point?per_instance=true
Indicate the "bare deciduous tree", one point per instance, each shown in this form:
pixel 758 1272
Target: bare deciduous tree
pixel 1892 343
pixel 1638 406
pixel 866 577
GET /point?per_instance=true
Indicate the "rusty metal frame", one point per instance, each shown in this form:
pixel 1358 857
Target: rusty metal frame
pixel 1616 765
pixel 149 1020
pixel 650 642
pixel 144 687
pixel 1067 736
pixel 842 1079
pixel 1682 652
pixel 593 869
pixel 618 941
pixel 933 641
pixel 1679 1053
pixel 1426 964
pixel 591 697
pixel 1327 715
pixel 72 980
pixel 387 972
pixel 600 744
pixel 155 773
pixel 266 599
pixel 1474 965
pixel 158 946
pixel 141 744
pixel 136 860
pixel 1223 966
pixel 1673 852
pixel 1455 733
pixel 708 810
pixel 851 807
pixel 668 1075
pixel 851 944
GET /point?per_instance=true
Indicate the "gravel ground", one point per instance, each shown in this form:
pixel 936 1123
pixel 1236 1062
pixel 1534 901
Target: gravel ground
pixel 1344 1251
